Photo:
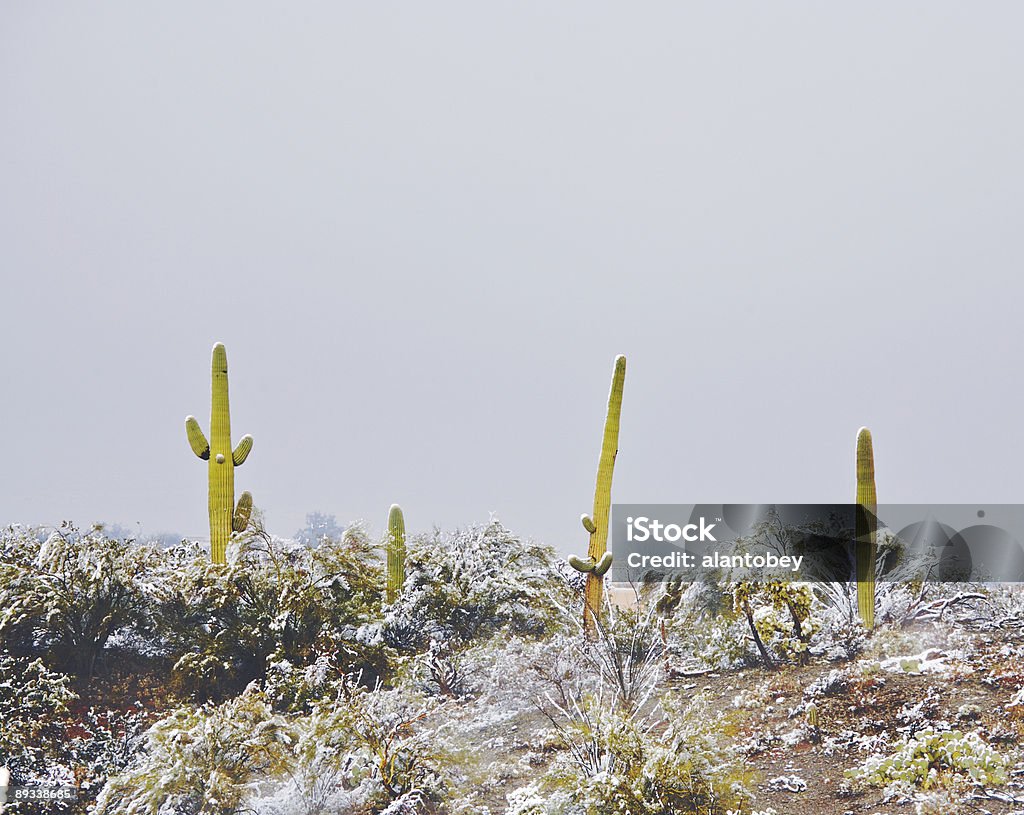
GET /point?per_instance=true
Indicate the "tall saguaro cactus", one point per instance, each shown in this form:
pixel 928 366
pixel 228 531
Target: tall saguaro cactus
pixel 599 559
pixel 396 553
pixel 224 515
pixel 867 510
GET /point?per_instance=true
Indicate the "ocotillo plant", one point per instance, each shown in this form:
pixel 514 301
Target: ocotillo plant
pixel 396 552
pixel 866 541
pixel 599 559
pixel 224 516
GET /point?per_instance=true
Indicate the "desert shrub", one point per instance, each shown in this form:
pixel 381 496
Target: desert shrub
pixel 104 743
pixel 375 741
pixel 778 615
pixel 469 584
pixel 626 655
pixel 702 626
pixel 618 763
pixel 66 595
pixel 728 624
pixel 295 688
pixel 367 751
pixel 34 701
pixel 620 747
pixel 205 759
pixel 272 602
pixel 935 758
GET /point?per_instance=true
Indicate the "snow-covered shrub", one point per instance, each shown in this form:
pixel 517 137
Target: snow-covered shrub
pixel 34 703
pixel 207 759
pixel 69 593
pixel 469 584
pixel 291 688
pixel 104 744
pixel 271 602
pixel 718 641
pixel 935 758
pixel 619 747
pixel 368 751
pixel 627 655
pixel 840 634
pixel 374 741
pixel 777 615
pixel 619 763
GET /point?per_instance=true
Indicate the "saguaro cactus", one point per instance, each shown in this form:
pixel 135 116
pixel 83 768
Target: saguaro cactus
pixel 599 559
pixel 224 516
pixel 396 552
pixel 866 533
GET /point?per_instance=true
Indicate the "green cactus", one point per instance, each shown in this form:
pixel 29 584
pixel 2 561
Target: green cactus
pixel 812 715
pixel 813 726
pixel 866 533
pixel 224 515
pixel 599 559
pixel 396 552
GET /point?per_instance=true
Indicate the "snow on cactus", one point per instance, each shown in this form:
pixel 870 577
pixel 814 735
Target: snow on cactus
pixel 935 758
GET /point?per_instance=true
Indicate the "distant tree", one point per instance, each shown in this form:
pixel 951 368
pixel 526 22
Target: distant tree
pixel 318 526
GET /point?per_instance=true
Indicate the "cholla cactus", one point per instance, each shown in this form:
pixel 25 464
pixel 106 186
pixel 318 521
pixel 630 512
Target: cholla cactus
pixel 224 516
pixel 396 552
pixel 866 533
pixel 599 559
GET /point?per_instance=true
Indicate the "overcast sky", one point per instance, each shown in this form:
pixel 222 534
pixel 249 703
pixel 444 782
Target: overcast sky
pixel 424 231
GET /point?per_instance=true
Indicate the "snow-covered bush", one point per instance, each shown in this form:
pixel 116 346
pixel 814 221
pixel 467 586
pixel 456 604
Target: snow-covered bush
pixel 295 688
pixel 271 602
pixel 375 741
pixel 469 584
pixel 34 703
pixel 69 593
pixel 701 626
pixel 619 763
pixel 105 743
pixel 935 758
pixel 778 615
pixel 724 625
pixel 627 654
pixel 621 748
pixel 207 759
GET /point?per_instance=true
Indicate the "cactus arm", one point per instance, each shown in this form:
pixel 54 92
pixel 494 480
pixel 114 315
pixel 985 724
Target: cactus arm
pixel 196 438
pixel 866 532
pixel 580 564
pixel 603 565
pixel 598 547
pixel 588 524
pixel 241 452
pixel 395 552
pixel 243 512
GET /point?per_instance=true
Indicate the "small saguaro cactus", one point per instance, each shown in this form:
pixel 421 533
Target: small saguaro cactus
pixel 599 559
pixel 396 553
pixel 813 728
pixel 224 515
pixel 865 528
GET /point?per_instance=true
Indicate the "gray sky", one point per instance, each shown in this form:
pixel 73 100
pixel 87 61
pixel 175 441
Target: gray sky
pixel 424 231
